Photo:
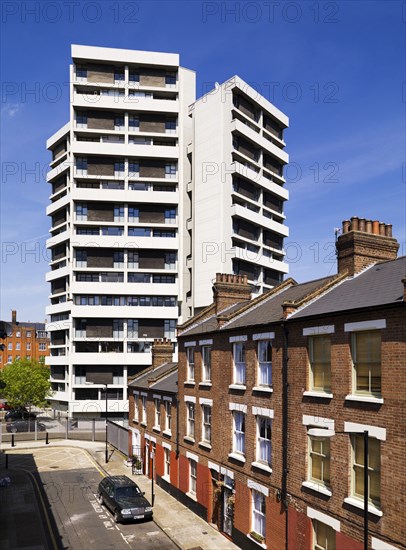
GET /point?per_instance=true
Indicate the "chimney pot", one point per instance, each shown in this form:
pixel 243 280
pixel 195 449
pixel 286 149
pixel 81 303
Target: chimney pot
pixel 382 229
pixel 354 223
pixel 388 230
pixel 346 226
pixel 14 316
pixel 368 226
pixel 361 224
pixel 375 227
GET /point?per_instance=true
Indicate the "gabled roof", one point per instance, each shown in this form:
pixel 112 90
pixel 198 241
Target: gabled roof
pixel 150 376
pixel 270 310
pixel 266 308
pixel 378 285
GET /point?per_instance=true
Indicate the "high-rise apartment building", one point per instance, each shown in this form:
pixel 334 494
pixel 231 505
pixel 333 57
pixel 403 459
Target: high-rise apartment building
pixel 237 223
pixel 137 212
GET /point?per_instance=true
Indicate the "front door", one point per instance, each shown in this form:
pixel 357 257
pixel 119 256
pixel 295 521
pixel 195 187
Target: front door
pixel 147 458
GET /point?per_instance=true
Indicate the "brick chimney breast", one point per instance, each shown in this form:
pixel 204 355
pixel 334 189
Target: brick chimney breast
pixel 14 316
pixel 229 290
pixel 162 352
pixel 364 243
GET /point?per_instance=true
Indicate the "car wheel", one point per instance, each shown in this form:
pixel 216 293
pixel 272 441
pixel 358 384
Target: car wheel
pixel 117 518
pixel 13 430
pixel 100 499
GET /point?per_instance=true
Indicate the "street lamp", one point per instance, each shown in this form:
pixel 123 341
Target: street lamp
pixel 106 451
pixel 320 432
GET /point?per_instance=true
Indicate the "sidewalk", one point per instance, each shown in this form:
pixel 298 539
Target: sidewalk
pixel 186 529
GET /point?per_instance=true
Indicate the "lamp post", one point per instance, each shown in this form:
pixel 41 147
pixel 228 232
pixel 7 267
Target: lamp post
pixel 320 432
pixel 106 451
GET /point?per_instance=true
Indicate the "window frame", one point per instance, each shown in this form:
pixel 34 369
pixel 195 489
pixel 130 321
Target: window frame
pixel 329 530
pixel 260 376
pixel 168 415
pixel 353 348
pixel 206 363
pixel 258 515
pixel 190 364
pixel 260 439
pixel 239 434
pixel 325 458
pixel 190 419
pixel 326 367
pixel 372 441
pixel 239 367
pixel 192 476
pixel 206 423
pixel 167 463
pixel 157 416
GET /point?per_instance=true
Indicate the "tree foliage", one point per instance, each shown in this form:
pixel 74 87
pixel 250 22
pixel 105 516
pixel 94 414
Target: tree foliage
pixel 25 383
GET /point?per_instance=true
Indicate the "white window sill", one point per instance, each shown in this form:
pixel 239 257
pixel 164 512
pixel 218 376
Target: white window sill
pixel 167 432
pixel 237 456
pixel 364 399
pixel 189 383
pixel 260 544
pixel 156 429
pixel 241 387
pixel 204 444
pixel 320 394
pixel 143 424
pixel 265 389
pixel 262 466
pixel 205 384
pixel 166 478
pixel 135 420
pixel 317 487
pixel 188 439
pixel 358 503
pixel 192 496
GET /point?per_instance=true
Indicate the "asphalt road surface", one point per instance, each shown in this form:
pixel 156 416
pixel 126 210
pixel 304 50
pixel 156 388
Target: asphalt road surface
pixel 70 482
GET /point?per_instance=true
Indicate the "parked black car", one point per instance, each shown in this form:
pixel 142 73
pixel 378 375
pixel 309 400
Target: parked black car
pixel 24 426
pixel 19 414
pixel 124 498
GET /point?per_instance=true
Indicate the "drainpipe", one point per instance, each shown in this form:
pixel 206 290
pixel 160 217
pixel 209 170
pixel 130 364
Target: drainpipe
pixel 285 395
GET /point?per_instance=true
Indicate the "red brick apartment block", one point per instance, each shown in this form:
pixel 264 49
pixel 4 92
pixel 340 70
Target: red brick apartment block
pixel 273 397
pixel 28 340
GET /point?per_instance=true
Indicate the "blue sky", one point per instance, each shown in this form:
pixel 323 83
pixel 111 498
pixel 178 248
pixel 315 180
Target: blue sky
pixel 337 69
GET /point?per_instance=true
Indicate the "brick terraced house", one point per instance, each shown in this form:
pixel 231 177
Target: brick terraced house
pixel 275 394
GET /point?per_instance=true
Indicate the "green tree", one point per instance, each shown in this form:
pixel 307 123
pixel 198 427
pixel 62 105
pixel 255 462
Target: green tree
pixel 25 383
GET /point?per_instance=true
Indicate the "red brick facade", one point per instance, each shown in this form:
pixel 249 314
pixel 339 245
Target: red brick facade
pixel 236 487
pixel 27 340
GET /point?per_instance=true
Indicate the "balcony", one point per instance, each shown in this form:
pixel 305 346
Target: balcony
pixel 259 219
pixel 125 102
pixel 243 129
pixel 129 150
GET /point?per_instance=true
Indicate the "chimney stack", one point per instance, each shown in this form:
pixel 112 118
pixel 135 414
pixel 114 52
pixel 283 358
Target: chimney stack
pixel 162 352
pixel 13 317
pixel 364 242
pixel 229 290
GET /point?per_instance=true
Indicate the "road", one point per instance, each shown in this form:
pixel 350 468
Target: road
pixel 70 481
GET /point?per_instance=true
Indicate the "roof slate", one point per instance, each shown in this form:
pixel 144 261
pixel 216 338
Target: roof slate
pixel 141 381
pixel 378 285
pixel 270 310
pixel 168 383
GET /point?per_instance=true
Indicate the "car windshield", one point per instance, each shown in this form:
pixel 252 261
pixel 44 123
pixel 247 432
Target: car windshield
pixel 128 492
